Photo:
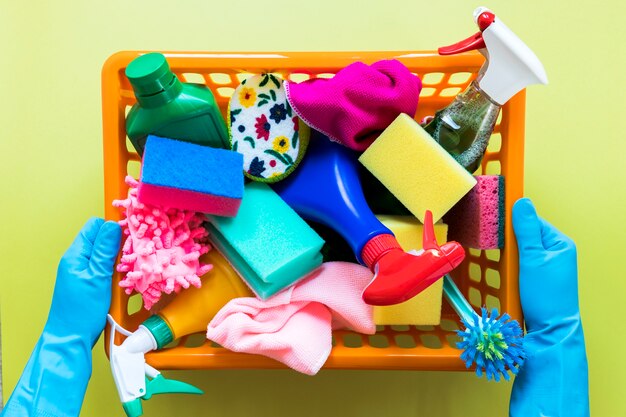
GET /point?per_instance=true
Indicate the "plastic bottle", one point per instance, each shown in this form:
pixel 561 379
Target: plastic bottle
pixel 169 108
pixel 192 310
pixel 465 126
pixel 326 189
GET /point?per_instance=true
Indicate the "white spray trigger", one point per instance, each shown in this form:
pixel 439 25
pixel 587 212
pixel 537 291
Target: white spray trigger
pixel 511 65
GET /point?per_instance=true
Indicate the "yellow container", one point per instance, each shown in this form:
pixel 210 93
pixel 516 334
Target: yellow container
pixel 485 277
pixel 192 310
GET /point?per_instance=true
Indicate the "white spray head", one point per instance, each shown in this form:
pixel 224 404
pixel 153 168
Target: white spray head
pixel 511 65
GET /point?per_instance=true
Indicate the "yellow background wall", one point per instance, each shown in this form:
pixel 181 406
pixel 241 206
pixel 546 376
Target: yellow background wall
pixel 51 181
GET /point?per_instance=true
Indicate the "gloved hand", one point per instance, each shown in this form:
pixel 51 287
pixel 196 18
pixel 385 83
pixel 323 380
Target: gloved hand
pixel 54 381
pixel 553 380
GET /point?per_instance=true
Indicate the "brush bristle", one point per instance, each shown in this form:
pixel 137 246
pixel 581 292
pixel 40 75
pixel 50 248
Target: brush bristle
pixel 494 345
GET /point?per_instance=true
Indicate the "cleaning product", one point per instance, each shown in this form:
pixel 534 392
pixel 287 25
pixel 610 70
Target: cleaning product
pixel 264 129
pixel 494 345
pixel 326 189
pixel 267 242
pixel 169 108
pixel 295 326
pixel 191 177
pixel 421 174
pixel 358 103
pixel 424 308
pixel 189 312
pixel 477 221
pixel 161 253
pixel 465 126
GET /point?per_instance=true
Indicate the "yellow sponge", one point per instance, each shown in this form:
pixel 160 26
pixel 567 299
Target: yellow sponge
pixel 425 308
pixel 416 169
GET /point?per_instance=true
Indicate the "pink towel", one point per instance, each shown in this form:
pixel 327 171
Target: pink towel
pixel 358 103
pixel 295 325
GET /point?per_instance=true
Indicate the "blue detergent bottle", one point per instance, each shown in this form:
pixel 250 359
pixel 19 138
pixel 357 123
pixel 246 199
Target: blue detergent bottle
pixel 326 189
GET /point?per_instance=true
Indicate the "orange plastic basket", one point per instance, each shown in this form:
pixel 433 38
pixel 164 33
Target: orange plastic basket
pixel 485 277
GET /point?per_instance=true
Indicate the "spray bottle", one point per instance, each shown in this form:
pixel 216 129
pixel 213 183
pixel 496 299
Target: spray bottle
pixel 465 126
pixel 190 312
pixel 326 189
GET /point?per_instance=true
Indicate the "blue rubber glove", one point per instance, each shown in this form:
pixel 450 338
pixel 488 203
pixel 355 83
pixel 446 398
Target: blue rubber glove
pixel 553 381
pixel 54 381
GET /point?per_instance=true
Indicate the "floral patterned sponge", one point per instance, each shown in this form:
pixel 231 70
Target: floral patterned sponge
pixel 265 130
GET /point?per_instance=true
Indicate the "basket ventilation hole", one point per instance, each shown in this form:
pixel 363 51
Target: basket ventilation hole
pixel 195 340
pixel 431 341
pixel 449 325
pixel 492 302
pixel 427 92
pixel 432 78
pixel 492 277
pixel 493 254
pixel 298 77
pixel 352 340
pixel 243 76
pixel 133 168
pixel 378 341
pixel 495 143
pixel 452 340
pixel 135 303
pixel 192 77
pixel 220 78
pixel 460 78
pixel 474 297
pixel 405 341
pixel 474 272
pixel 450 92
pixel 493 168
pixel 225 91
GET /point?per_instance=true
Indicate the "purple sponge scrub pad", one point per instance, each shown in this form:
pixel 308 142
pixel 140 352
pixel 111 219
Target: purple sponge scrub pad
pixel 191 177
pixel 477 220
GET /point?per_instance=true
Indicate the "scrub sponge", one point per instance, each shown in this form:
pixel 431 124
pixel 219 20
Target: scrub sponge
pixel 424 308
pixel 477 221
pixel 191 177
pixel 416 169
pixel 268 244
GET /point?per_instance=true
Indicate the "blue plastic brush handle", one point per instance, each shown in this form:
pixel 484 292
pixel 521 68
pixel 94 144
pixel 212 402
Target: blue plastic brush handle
pixel 456 299
pixel 326 188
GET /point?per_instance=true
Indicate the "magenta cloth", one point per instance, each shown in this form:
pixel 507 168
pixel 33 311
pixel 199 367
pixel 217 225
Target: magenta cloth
pixel 358 103
pixel 295 325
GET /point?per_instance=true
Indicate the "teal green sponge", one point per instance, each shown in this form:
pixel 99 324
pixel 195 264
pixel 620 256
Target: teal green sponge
pixel 269 245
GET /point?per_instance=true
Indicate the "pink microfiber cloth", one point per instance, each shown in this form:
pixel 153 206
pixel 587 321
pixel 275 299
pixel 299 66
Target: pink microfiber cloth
pixel 358 103
pixel 161 253
pixel 295 325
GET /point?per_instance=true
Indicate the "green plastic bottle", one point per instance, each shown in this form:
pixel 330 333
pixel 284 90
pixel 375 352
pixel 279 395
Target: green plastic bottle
pixel 169 108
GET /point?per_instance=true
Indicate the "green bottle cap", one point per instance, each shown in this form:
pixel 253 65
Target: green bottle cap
pixel 159 329
pixel 152 80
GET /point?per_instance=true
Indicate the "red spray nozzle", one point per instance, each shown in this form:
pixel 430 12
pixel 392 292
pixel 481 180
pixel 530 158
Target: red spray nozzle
pixel 484 19
pixel 400 276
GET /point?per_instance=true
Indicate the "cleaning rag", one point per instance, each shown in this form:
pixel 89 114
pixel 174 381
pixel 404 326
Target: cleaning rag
pixel 358 103
pixel 295 326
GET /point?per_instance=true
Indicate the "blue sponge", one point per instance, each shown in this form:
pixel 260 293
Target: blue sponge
pixel 267 242
pixel 191 177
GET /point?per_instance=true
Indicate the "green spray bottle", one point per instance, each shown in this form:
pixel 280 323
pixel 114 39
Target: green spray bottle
pixel 465 126
pixel 169 108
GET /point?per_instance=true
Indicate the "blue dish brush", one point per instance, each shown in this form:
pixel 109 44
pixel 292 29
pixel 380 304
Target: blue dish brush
pixel 495 345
